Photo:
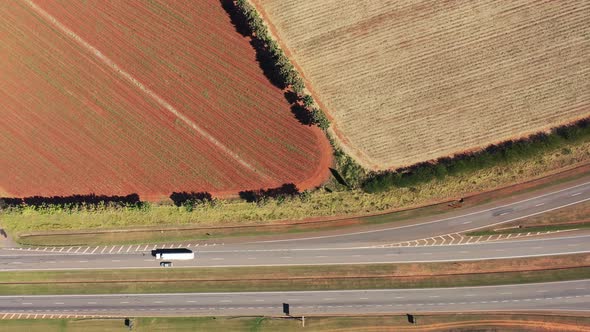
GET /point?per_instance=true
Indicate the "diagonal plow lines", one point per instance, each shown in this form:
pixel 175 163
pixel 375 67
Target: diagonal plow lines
pixel 159 100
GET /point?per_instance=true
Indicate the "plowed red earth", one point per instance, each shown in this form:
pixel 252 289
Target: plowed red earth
pixel 147 97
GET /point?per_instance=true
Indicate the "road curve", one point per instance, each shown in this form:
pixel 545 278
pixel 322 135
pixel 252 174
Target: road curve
pixel 473 218
pixel 566 296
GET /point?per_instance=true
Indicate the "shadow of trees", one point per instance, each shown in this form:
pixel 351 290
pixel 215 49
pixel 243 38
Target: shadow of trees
pixel 286 190
pixel 275 65
pixel 301 113
pixel 264 57
pixel 182 198
pixel 72 201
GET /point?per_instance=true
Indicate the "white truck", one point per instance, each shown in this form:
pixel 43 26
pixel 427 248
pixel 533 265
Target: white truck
pixel 174 254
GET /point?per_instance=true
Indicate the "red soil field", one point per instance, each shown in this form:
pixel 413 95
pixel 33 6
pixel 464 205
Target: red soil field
pixel 147 97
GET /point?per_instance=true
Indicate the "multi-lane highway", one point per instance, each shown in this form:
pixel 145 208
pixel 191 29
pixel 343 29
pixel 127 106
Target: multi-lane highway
pixel 570 296
pixel 363 245
pixel 240 256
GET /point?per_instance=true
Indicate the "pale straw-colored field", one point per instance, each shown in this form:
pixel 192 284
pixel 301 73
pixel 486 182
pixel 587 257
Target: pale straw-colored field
pixel 408 80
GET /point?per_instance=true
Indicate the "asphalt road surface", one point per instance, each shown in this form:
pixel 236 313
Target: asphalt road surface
pixel 569 296
pixel 486 215
pixel 284 256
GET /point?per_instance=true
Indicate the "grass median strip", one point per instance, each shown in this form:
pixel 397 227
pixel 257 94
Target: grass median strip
pixel 370 276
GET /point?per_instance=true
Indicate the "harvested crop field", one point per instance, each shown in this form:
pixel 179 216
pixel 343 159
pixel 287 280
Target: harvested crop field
pixel 409 81
pixel 147 97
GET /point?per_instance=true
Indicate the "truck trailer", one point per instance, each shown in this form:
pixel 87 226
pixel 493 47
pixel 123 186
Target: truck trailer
pixel 174 254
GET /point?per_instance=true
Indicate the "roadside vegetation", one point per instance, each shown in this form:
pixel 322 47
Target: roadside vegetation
pixel 281 70
pixel 430 322
pixel 332 277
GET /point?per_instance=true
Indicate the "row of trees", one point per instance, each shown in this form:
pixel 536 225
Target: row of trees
pixel 284 71
pixel 261 196
pixel 192 200
pixel 73 202
pixel 468 162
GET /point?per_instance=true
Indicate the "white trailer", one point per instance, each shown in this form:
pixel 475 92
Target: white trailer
pixel 184 254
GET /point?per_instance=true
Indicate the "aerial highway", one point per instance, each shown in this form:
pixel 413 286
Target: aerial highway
pixel 370 244
pixel 566 296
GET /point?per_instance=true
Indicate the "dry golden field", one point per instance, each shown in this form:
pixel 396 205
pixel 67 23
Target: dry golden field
pixel 408 80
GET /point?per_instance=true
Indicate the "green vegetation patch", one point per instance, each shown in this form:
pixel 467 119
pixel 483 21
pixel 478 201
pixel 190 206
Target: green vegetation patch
pixel 332 277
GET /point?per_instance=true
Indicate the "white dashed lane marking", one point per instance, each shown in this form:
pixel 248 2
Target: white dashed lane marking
pixel 28 313
pixel 460 239
pixel 113 250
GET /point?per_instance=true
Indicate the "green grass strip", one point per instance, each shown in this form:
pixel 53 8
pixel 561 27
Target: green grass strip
pixel 257 279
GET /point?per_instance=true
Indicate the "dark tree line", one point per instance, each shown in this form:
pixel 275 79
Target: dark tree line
pixel 191 198
pixel 72 201
pixel 274 63
pixel 494 154
pixel 282 192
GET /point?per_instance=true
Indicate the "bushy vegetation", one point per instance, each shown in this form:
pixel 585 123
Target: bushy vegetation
pixel 350 173
pixel 493 155
pixel 263 196
pixel 283 70
pixel 192 200
pixel 73 203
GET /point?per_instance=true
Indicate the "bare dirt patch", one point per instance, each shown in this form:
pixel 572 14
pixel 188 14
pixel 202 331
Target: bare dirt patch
pixel 142 97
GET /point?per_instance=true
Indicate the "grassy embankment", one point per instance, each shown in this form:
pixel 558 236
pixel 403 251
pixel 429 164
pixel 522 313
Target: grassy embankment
pixel 369 276
pixel 425 322
pixel 320 203
pixel 561 219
